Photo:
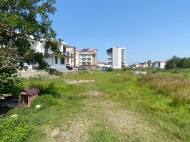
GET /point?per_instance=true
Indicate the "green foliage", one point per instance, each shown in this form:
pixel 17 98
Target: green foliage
pixel 109 69
pixel 13 130
pixel 45 101
pixel 53 71
pixel 169 85
pixel 22 24
pixel 101 133
pixel 149 63
pixel 126 69
pixel 45 89
pixel 143 98
pixel 154 71
pixel 178 63
pixel 8 73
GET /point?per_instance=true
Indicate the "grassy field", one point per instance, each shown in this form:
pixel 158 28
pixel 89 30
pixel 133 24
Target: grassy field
pixel 114 106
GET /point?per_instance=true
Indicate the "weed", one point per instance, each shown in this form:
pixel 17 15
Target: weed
pixel 45 101
pixel 109 69
pixel 45 89
pixel 169 85
pixel 13 130
pixel 102 133
pixel 162 99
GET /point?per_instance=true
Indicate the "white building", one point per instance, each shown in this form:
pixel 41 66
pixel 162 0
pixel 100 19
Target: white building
pixel 159 64
pixel 54 60
pixel 116 57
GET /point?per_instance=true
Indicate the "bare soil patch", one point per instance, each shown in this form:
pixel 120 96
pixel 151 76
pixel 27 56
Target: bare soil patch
pixel 78 81
pixel 41 73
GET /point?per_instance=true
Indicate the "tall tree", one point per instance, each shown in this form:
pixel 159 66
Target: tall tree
pixel 22 22
pixel 173 63
pixel 149 63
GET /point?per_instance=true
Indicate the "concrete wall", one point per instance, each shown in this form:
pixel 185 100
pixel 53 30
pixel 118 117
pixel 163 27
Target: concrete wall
pixel 115 57
pixel 51 61
pixel 162 65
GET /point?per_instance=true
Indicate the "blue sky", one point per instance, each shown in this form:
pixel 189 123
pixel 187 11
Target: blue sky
pixel 148 29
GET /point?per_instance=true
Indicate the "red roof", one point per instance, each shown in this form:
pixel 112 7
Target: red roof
pixel 161 61
pixel 31 91
pixel 79 50
pixel 99 62
pixel 90 50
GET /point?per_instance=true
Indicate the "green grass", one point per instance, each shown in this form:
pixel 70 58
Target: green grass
pixel 155 97
pixel 102 133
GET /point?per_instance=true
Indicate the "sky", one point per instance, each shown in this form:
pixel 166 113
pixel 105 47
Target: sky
pixel 148 29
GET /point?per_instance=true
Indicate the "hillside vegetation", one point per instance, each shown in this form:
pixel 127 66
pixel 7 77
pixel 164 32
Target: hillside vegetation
pixel 107 106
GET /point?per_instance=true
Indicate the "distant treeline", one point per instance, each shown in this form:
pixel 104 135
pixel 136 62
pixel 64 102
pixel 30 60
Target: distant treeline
pixel 178 63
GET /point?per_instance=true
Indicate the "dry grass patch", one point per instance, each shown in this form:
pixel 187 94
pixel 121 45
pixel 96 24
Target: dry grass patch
pixel 174 86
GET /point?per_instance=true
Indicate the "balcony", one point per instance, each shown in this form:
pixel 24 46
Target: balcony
pixel 82 53
pixel 123 63
pixel 69 55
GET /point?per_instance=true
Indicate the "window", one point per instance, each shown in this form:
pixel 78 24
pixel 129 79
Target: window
pixel 45 50
pixel 62 60
pixel 71 61
pixel 55 59
pixel 67 60
pixel 64 49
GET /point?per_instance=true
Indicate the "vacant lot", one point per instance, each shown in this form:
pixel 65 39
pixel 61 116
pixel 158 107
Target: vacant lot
pixel 105 106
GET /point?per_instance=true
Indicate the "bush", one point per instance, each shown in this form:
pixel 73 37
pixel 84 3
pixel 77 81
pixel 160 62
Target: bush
pixel 124 69
pixel 45 101
pixel 153 71
pixel 13 130
pixel 175 71
pixel 109 69
pixel 46 89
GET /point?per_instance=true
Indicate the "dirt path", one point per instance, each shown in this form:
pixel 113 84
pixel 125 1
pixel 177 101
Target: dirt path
pixel 129 125
pixel 37 73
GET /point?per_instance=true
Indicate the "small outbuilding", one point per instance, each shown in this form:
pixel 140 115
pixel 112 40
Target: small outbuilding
pixel 27 95
pixel 103 68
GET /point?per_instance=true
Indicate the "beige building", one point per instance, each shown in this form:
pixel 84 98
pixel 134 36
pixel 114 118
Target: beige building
pixel 87 57
pixel 70 55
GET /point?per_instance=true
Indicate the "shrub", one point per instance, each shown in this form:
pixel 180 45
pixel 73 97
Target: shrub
pixel 153 71
pixel 109 69
pixel 124 69
pixel 175 71
pixel 127 78
pixel 45 101
pixel 45 89
pixel 13 130
pixel 127 69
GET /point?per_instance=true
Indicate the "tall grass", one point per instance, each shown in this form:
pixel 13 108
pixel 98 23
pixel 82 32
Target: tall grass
pixel 174 86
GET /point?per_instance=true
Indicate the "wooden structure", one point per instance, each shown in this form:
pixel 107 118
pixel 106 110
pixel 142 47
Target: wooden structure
pixel 27 95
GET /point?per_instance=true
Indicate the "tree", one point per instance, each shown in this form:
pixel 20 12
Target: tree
pixel 173 63
pixel 22 22
pixel 149 63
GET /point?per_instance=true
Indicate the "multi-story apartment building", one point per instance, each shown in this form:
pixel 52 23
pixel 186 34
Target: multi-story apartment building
pixel 70 55
pixel 87 57
pixel 116 57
